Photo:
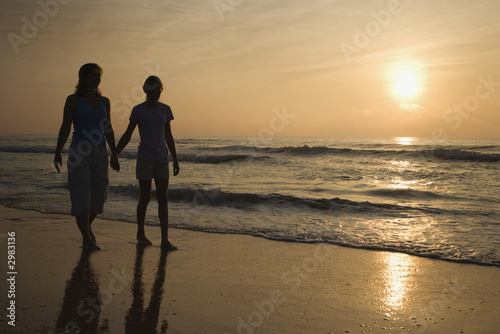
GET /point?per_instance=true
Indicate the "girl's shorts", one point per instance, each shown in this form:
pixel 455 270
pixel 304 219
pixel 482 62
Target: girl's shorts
pixel 148 169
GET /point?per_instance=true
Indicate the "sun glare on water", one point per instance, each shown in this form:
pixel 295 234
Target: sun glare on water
pixel 405 140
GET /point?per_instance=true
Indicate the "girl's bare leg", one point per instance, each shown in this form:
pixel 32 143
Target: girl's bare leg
pixel 162 198
pixel 142 205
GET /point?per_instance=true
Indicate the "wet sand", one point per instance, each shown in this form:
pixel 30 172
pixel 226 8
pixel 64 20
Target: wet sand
pixel 217 283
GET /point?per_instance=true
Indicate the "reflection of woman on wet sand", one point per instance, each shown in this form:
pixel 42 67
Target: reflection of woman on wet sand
pixel 81 305
pixel 137 320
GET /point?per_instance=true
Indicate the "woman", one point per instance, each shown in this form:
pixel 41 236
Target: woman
pixel 153 119
pixel 89 112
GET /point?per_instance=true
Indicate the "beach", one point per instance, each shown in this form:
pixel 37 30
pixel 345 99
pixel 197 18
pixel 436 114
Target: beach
pixel 228 283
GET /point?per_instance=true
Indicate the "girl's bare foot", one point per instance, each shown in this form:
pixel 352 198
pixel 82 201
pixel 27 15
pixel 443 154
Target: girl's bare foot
pixel 168 246
pixel 142 240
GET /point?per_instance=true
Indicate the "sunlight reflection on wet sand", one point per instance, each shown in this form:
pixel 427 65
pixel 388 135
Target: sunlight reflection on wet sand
pixel 397 279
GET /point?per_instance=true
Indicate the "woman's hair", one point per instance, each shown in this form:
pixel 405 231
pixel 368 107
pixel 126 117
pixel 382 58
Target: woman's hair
pixel 85 70
pixel 152 83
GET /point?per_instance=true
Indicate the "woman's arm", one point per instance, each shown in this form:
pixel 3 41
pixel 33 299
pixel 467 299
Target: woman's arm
pixel 64 131
pixel 110 137
pixel 171 147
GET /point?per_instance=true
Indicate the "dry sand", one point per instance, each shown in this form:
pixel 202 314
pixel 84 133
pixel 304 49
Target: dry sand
pixel 219 283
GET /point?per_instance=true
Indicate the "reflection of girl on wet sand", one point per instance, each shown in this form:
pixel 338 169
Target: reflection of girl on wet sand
pixel 81 306
pixel 137 320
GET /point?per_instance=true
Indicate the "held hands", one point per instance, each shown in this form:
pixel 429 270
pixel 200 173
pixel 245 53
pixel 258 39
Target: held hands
pixel 114 163
pixel 176 168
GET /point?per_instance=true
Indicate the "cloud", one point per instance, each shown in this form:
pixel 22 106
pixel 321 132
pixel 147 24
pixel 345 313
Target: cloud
pixel 414 107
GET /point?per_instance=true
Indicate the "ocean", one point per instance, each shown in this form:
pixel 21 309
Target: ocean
pixel 419 196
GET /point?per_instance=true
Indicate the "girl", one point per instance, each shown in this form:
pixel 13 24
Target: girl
pixel 153 119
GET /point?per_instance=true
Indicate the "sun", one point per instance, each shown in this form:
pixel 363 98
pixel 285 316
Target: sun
pixel 406 83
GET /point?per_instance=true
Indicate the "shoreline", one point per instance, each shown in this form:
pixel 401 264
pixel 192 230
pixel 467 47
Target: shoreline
pixel 339 244
pixel 228 283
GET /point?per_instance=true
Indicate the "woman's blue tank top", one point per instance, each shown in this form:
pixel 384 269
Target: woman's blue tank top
pixel 88 124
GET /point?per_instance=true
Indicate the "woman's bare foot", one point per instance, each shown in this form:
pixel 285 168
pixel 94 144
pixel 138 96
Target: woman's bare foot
pixel 92 236
pixel 91 246
pixel 168 246
pixel 142 240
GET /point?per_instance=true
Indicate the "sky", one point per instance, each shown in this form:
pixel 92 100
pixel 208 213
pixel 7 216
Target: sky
pixel 330 68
